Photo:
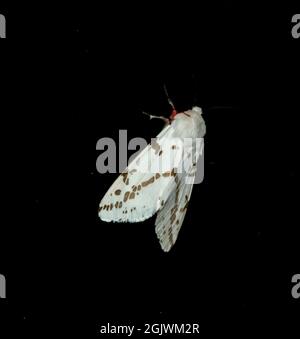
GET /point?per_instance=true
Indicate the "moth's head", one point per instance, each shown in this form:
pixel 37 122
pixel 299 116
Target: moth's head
pixel 197 109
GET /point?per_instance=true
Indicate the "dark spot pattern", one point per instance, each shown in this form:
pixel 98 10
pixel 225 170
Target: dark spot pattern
pixel 124 175
pixel 126 196
pixel 148 182
pixel 117 192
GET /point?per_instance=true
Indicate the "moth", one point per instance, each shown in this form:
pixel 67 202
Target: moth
pixel 160 179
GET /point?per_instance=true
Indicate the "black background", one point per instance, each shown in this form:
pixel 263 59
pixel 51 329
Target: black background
pixel 70 76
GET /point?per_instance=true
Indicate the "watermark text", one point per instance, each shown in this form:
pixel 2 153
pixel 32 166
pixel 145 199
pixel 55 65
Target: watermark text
pixel 296 288
pixel 2 26
pixel 296 27
pixel 2 286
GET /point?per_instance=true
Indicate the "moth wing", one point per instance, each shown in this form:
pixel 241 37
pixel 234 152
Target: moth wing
pixel 170 217
pixel 137 193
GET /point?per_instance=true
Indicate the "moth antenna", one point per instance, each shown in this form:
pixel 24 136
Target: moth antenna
pixel 168 98
pixel 174 112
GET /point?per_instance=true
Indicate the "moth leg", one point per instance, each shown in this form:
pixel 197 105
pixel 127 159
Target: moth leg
pixel 166 120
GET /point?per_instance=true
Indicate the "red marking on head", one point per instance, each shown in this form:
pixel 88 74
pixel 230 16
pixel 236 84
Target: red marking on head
pixel 173 114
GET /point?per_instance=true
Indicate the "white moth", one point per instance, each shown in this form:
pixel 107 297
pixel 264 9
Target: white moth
pixel 160 179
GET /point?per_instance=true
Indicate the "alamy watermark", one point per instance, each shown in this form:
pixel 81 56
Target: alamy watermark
pixel 179 155
pixel 2 286
pixel 296 28
pixel 2 26
pixel 296 288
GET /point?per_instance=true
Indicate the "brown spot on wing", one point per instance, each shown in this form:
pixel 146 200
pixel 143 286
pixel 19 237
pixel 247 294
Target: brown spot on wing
pixel 160 153
pixel 124 175
pixel 173 217
pixel 132 195
pixel 117 192
pixel 185 207
pixel 174 209
pixel 148 182
pixel 157 175
pixel 126 195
